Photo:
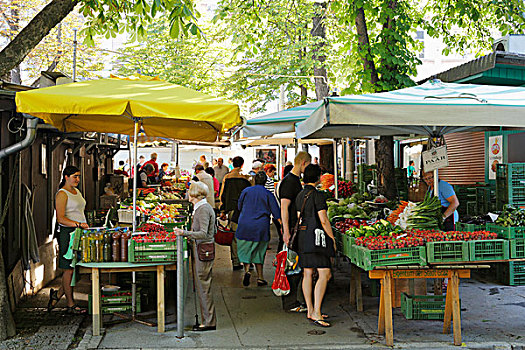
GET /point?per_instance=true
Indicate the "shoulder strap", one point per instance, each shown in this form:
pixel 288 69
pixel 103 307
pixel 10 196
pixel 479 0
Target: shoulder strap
pixel 301 214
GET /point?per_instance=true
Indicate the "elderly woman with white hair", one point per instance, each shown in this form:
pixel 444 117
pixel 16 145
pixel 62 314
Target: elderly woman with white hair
pixel 203 249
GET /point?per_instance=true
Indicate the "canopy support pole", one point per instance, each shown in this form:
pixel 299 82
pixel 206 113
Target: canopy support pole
pixel 135 173
pixel 336 171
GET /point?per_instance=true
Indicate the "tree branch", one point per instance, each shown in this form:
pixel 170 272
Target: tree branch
pixel 15 52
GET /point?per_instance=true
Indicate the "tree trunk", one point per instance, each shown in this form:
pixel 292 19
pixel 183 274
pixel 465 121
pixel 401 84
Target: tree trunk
pixel 15 52
pixel 7 324
pixel 363 44
pixel 385 167
pixel 387 26
pixel 304 94
pixel 318 30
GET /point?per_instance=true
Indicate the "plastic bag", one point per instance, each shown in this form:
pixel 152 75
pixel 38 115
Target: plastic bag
pixel 280 285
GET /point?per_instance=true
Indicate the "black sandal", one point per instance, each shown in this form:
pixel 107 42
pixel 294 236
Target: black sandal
pixel 76 310
pixel 53 296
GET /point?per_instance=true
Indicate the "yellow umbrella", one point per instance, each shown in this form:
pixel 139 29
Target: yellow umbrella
pixel 109 105
pixel 123 105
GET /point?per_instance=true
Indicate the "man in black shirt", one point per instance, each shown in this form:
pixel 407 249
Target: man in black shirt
pixel 288 190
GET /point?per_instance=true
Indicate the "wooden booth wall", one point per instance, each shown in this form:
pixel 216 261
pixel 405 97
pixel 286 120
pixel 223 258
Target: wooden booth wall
pixel 466 156
pixel 43 186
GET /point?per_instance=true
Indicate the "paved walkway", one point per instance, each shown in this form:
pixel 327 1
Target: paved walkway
pixel 251 318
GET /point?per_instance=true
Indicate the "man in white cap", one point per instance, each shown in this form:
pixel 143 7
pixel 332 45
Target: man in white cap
pixel 256 167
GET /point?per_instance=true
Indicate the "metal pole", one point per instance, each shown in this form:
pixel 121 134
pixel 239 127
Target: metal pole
pixel 336 171
pixel 177 159
pixel 74 54
pixel 436 183
pixel 180 287
pixel 135 173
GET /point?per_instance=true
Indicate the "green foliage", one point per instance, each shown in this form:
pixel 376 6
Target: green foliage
pixel 270 41
pixel 109 17
pixel 190 61
pixel 468 26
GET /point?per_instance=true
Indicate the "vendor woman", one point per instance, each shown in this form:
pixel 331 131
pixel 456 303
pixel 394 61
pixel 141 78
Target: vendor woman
pixel 448 198
pixel 144 175
pixel 70 207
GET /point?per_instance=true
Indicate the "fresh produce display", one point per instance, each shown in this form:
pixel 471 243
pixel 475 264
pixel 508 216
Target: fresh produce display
pixel 416 238
pixel 347 224
pixel 424 215
pixel 345 189
pixel 345 209
pixel 153 233
pixel 389 242
pixel 394 215
pixel 439 236
pixel 166 213
pixel 511 216
pixel 380 200
pixel 380 228
pixel 327 181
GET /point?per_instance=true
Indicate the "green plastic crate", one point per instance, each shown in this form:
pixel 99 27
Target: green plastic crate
pixel 423 307
pixel 110 304
pixel 369 259
pixel 354 254
pixel 517 248
pixel 347 241
pixel 469 227
pixel 506 232
pixel 490 249
pixel 447 251
pixel 153 251
pixel 513 273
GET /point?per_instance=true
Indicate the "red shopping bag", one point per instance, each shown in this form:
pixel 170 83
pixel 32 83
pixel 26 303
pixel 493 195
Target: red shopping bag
pixel 280 285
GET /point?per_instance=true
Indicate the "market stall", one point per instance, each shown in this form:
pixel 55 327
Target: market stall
pixel 126 106
pixel 383 237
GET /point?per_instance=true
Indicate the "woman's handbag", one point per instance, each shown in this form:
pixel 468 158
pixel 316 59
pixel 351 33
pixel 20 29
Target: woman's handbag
pixel 224 235
pixel 206 251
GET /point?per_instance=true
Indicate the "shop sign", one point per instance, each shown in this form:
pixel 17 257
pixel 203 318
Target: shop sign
pixel 435 158
pixel 495 152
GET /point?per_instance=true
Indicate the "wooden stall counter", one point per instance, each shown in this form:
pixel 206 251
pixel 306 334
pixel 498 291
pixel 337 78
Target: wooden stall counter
pixel 95 269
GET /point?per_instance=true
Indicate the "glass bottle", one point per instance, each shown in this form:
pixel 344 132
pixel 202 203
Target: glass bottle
pixel 124 247
pixel 116 246
pixel 85 247
pixel 92 247
pixel 107 247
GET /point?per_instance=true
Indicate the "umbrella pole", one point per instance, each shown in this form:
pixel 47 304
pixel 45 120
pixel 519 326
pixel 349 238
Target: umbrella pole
pixel 336 171
pixel 135 172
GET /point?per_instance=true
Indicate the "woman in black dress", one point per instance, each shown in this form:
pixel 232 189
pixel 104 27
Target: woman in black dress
pixel 312 255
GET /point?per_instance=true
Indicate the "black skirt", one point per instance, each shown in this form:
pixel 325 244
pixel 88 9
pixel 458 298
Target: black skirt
pixel 311 260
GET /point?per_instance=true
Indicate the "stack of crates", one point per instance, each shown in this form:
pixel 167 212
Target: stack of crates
pixel 365 175
pixel 511 273
pixel 401 183
pixel 119 301
pixel 486 199
pixel 510 185
pixel 468 205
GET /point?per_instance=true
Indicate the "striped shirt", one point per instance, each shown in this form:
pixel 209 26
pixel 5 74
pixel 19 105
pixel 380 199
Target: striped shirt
pixel 270 185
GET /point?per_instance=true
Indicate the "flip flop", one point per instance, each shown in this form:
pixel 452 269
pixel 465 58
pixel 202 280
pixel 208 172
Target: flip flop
pixel 246 279
pixel 53 296
pixel 261 282
pixel 76 310
pixel 321 323
pixel 324 316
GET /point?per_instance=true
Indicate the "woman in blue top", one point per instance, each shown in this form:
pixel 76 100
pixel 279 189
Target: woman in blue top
pixel 256 204
pixel 448 198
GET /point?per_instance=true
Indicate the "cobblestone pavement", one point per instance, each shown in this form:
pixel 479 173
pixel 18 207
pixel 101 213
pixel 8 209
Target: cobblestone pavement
pixel 39 329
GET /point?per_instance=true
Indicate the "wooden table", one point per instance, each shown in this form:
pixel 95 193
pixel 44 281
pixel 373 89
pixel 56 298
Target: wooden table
pixel 388 273
pixel 97 268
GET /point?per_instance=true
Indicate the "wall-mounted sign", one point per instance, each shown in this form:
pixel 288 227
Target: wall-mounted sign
pixel 495 154
pixel 435 158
